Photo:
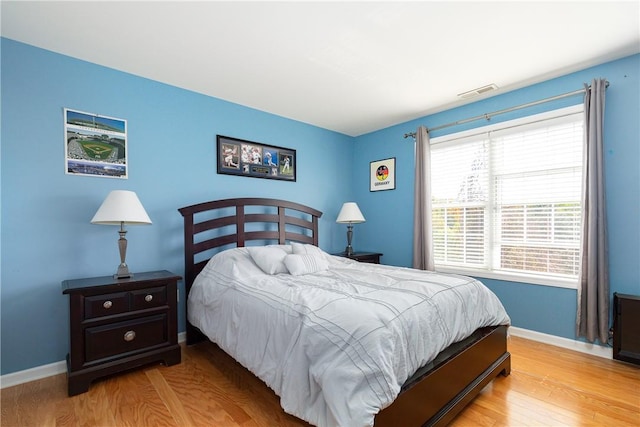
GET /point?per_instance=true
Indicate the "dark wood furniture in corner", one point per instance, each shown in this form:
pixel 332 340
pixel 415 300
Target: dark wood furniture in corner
pixel 626 328
pixel 370 257
pixel 117 325
pixel 434 395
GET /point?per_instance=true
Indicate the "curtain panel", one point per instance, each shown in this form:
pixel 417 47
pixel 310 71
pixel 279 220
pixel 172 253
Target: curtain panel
pixel 592 320
pixel 422 228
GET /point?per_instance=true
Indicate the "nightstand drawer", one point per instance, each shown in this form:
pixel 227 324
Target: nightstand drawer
pixel 106 305
pixel 125 337
pixel 149 298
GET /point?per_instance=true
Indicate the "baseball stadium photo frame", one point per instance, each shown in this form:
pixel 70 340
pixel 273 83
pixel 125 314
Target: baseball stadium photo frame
pixel 255 160
pixel 382 174
pixel 95 145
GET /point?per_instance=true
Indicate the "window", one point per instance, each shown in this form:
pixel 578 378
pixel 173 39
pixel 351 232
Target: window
pixel 507 199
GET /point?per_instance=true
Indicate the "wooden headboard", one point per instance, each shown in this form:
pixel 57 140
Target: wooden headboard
pixel 233 222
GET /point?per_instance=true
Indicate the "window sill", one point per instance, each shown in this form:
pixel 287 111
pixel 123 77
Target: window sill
pixel 556 282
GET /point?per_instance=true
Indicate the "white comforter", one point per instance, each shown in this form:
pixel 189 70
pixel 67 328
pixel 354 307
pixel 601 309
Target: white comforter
pixel 336 345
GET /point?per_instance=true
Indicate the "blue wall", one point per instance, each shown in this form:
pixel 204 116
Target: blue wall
pixel 46 236
pixel 544 309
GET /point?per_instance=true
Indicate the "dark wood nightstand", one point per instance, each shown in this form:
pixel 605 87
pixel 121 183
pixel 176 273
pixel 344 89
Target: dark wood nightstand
pixel 117 325
pixel 370 257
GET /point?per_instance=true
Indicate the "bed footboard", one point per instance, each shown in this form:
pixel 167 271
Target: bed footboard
pixel 438 392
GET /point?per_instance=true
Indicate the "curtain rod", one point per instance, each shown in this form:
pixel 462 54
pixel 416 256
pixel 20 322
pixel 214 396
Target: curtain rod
pixel 488 116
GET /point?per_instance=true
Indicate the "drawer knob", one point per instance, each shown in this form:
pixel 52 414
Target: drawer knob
pixel 148 298
pixel 107 304
pixel 129 336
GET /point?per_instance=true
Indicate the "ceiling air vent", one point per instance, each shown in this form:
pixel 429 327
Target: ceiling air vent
pixel 478 91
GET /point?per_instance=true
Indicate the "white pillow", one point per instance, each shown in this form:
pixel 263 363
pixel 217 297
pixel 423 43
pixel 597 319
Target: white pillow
pixel 286 248
pixel 233 262
pixel 305 264
pixel 304 249
pixel 270 259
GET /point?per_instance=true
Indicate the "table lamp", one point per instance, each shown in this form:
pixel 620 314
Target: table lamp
pixel 119 208
pixel 350 214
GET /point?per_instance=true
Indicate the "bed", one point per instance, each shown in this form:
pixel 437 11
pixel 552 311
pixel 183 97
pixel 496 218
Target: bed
pixel 235 230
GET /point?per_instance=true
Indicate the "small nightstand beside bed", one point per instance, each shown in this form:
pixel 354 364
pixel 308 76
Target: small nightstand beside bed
pixel 117 325
pixel 370 257
pixel 341 342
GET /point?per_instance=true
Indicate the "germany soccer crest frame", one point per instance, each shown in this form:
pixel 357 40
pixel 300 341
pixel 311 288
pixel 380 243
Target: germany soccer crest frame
pixel 382 175
pixel 253 159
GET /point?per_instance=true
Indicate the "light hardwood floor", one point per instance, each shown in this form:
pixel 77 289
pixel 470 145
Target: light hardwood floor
pixel 548 386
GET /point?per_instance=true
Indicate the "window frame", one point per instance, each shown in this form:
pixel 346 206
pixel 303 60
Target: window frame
pixel 520 277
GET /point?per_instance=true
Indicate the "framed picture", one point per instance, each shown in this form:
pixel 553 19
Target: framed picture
pixel 383 175
pixel 252 159
pixel 95 145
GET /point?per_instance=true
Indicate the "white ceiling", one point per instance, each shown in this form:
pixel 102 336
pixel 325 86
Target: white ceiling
pixel 352 67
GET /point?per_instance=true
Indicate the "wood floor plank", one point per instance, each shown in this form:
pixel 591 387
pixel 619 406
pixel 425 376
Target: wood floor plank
pixel 584 383
pixel 255 397
pixel 169 397
pixel 45 393
pixel 93 408
pixel 225 403
pixel 548 386
pixel 134 401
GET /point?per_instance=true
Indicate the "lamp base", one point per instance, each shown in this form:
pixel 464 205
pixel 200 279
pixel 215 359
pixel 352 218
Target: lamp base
pixel 349 249
pixel 123 268
pixel 123 272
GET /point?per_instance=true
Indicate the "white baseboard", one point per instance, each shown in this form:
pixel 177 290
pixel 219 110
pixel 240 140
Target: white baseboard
pixel 45 371
pixel 581 346
pixel 56 368
pixel 33 374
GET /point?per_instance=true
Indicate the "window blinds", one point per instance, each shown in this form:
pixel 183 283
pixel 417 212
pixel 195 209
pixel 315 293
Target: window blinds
pixel 507 197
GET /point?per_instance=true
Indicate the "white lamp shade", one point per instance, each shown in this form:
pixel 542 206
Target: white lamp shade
pixel 121 206
pixel 350 213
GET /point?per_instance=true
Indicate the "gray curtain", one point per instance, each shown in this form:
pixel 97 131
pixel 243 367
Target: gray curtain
pixel 593 288
pixel 422 229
